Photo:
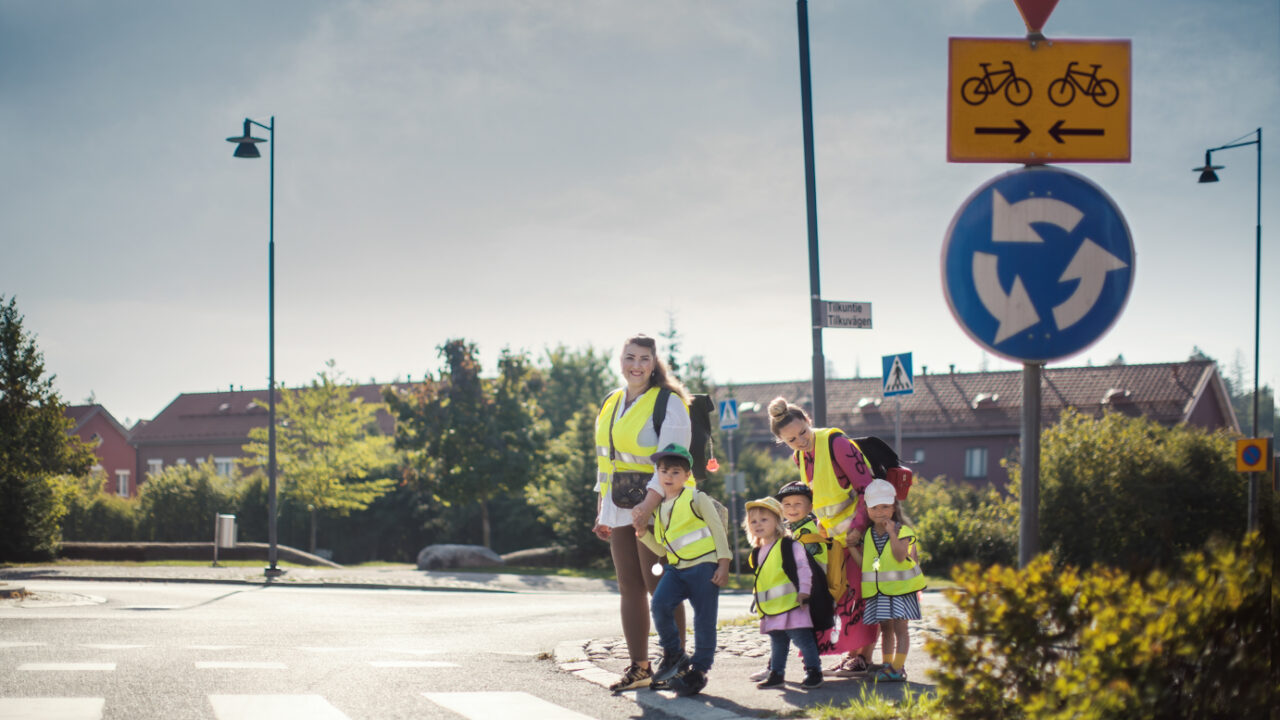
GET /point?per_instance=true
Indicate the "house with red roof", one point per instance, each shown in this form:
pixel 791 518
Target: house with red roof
pixel 116 459
pixel 960 425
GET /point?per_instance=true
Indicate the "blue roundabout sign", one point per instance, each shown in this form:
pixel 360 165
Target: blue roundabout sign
pixel 1037 264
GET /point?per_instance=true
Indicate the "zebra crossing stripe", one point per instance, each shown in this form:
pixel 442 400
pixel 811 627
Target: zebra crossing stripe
pixel 12 644
pixel 51 708
pixel 239 665
pixel 41 667
pixel 274 707
pixel 485 705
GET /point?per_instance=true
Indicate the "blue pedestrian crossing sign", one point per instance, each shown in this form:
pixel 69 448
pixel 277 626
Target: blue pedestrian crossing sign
pixel 898 378
pixel 728 414
pixel 1037 264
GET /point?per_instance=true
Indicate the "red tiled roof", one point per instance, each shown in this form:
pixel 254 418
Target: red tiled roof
pixel 228 416
pixel 81 414
pixel 992 401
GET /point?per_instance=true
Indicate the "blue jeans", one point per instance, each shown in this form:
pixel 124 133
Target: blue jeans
pixel 806 642
pixel 692 584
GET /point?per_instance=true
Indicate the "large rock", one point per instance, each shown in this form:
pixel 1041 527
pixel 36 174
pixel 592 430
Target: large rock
pixel 443 557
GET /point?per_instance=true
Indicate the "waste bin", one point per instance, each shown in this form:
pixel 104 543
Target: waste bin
pixel 224 534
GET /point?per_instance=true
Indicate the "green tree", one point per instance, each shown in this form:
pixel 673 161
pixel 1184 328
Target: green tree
pixel 573 379
pixel 179 503
pixel 35 445
pixel 1128 492
pixel 564 492
pixel 469 440
pixel 330 454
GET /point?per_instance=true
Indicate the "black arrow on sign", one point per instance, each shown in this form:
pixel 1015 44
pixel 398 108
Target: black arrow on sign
pixel 1057 131
pixel 1022 131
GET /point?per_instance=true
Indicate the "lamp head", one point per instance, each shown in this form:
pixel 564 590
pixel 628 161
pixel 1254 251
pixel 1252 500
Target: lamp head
pixel 246 144
pixel 1207 174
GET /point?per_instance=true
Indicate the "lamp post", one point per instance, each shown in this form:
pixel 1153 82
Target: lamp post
pixel 1208 175
pixel 246 147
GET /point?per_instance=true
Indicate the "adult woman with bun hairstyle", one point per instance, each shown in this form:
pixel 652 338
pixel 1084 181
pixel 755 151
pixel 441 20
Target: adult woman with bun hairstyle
pixel 831 464
pixel 629 489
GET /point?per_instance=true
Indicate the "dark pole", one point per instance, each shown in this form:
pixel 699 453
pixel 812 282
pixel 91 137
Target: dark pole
pixel 272 552
pixel 811 204
pixel 1029 526
pixel 1257 313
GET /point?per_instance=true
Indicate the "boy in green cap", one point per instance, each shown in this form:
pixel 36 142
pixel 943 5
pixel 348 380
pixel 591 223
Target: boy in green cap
pixel 688 530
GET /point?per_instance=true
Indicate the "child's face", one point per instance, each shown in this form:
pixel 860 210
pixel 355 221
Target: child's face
pixel 672 477
pixel 880 514
pixel 796 507
pixel 763 524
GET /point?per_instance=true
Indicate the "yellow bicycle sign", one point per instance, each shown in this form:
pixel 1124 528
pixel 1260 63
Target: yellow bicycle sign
pixel 1059 101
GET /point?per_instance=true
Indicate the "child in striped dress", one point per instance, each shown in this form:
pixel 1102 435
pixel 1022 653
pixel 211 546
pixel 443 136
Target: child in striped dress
pixel 891 578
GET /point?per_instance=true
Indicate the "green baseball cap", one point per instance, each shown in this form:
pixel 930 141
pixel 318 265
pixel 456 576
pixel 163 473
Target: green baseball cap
pixel 672 450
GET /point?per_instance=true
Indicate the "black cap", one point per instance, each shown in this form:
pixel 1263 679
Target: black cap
pixel 794 488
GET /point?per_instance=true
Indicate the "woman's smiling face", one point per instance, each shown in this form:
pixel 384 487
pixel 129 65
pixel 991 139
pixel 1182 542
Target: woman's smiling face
pixel 637 365
pixel 798 435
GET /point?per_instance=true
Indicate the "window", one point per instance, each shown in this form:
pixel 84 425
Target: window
pixel 224 465
pixel 122 483
pixel 155 466
pixel 975 463
pixel 180 461
pixel 919 456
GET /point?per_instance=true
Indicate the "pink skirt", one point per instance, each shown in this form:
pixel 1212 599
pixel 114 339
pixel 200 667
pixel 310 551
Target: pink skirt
pixel 850 633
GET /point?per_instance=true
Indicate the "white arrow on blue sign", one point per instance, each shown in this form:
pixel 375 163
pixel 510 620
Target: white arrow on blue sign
pixel 728 414
pixel 1037 264
pixel 897 376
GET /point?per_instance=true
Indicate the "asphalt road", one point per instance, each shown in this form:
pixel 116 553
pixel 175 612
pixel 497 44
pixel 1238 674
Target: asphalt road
pixel 174 651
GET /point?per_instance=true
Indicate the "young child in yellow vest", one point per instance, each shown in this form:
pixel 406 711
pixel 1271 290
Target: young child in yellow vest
pixel 688 530
pixel 891 578
pixel 781 604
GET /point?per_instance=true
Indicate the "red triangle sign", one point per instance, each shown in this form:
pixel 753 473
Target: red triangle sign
pixel 1035 13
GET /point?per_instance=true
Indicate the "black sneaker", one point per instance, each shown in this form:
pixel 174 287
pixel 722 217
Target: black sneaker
pixel 688 683
pixel 774 680
pixel 812 679
pixel 671 664
pixel 634 677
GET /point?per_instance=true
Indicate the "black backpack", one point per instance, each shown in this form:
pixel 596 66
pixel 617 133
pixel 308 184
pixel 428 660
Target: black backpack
pixel 822 608
pixel 701 446
pixel 879 455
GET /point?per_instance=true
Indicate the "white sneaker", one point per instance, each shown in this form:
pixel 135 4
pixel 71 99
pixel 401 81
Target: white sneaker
pixel 759 675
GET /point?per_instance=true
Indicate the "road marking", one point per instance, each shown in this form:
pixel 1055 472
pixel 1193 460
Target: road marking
pixel 329 649
pixel 239 665
pixel 411 664
pixel 274 707
pixel 109 646
pixel 51 708
pixel 214 647
pixel 12 644
pixel 484 705
pixel 39 667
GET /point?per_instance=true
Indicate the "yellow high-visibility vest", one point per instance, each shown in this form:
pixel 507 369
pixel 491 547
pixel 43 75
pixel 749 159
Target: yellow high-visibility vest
pixel 883 574
pixel 774 592
pixel 629 455
pixel 834 505
pixel 804 534
pixel 685 535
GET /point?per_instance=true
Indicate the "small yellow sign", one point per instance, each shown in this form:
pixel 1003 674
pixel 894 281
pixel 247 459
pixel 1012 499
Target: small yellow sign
pixel 1253 454
pixel 1061 101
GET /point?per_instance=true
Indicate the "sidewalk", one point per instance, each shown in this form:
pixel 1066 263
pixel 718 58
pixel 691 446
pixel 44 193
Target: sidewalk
pixel 741 649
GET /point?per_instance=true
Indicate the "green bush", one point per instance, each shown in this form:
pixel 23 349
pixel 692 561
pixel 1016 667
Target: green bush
pixel 179 503
pixel 1060 643
pixel 957 523
pixel 97 516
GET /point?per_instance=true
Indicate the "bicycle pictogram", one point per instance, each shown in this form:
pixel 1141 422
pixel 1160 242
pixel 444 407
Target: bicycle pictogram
pixel 1062 91
pixel 975 90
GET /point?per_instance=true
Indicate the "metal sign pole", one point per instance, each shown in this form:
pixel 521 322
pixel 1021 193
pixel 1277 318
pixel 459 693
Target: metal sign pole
pixel 897 425
pixel 1029 527
pixel 733 507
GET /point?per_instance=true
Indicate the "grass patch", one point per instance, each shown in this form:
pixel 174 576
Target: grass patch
pixel 872 706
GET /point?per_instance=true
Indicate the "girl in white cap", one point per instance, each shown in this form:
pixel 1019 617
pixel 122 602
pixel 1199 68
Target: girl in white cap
pixel 891 578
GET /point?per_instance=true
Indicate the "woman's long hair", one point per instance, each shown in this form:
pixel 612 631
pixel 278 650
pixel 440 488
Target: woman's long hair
pixel 662 376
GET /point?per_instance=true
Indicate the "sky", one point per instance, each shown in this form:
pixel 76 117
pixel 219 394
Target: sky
pixel 530 173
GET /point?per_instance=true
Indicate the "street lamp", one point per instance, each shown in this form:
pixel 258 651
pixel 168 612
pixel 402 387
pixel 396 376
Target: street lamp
pixel 1208 174
pixel 246 147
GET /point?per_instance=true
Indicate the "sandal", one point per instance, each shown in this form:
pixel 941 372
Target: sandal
pixel 890 675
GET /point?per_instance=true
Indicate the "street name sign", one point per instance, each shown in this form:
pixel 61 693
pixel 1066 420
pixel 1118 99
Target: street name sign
pixel 1055 101
pixel 855 315
pixel 896 375
pixel 1037 264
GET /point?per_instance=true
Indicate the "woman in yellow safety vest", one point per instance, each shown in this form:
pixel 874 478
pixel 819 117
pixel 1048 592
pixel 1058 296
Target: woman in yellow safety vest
pixel 831 464
pixel 629 489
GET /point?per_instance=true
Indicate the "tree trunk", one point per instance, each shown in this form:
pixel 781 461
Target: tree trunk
pixel 312 546
pixel 484 524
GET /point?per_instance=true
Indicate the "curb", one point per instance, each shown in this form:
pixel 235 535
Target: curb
pixel 571 657
pixel 263 583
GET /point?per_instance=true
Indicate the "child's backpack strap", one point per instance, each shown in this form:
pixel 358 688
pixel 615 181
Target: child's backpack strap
pixel 660 410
